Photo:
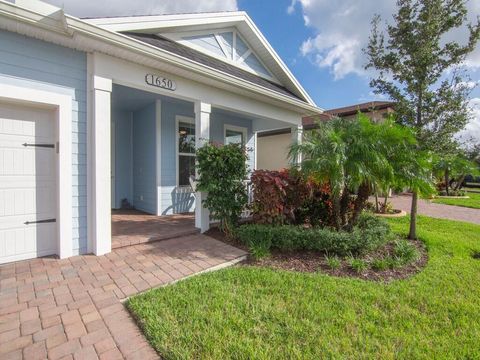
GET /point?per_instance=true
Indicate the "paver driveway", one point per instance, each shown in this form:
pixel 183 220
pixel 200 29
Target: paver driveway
pixel 71 309
pixel 441 211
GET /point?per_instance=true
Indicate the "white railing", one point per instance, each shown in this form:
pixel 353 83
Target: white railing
pixel 247 212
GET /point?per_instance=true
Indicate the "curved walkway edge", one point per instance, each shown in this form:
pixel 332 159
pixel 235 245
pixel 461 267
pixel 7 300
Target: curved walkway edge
pixel 428 208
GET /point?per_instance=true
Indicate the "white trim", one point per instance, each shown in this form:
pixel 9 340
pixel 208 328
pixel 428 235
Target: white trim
pixel 220 43
pixel 240 62
pixel 113 175
pixel 63 104
pixel 297 138
pixel 178 119
pixel 255 144
pixel 99 161
pixel 202 136
pixel 241 129
pixel 158 154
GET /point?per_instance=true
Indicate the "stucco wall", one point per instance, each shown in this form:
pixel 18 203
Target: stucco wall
pixel 40 65
pixel 272 151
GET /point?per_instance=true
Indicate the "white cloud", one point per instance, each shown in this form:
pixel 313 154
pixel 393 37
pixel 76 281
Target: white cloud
pixel 96 8
pixel 291 7
pixel 343 27
pixel 472 130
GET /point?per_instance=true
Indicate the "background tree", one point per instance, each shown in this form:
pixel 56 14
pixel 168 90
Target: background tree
pixel 452 169
pixel 421 72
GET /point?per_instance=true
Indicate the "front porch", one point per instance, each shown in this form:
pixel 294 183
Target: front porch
pixel 132 227
pixel 153 143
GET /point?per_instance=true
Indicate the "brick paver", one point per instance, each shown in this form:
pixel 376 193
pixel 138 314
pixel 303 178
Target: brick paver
pixel 133 227
pixel 72 308
pixel 441 211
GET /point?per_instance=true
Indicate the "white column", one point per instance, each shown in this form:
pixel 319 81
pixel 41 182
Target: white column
pixel 158 154
pixel 202 136
pixel 99 223
pixel 297 138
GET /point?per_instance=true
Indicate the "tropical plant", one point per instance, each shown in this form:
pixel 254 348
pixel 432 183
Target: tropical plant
pixel 418 69
pixel 452 169
pixel 222 171
pixel 276 195
pixel 354 156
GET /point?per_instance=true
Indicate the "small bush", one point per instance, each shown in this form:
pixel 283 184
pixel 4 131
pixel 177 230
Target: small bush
pixel 358 265
pixel 405 253
pixel 333 262
pixel 370 234
pixel 259 249
pixel 276 195
pixel 380 264
pixel 222 170
pixel 452 193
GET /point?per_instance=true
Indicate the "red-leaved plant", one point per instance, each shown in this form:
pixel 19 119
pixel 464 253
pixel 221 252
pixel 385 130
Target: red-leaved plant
pixel 276 196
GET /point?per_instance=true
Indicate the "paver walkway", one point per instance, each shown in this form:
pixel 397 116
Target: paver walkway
pixel 71 309
pixel 133 227
pixel 441 211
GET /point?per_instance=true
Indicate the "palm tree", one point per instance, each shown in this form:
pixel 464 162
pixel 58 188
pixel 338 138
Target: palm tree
pixel 356 156
pixel 453 168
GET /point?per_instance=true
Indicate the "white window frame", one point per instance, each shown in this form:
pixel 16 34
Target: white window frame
pixel 241 129
pixel 178 120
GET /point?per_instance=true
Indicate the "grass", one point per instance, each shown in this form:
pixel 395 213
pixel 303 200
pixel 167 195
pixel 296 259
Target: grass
pixel 257 313
pixel 473 202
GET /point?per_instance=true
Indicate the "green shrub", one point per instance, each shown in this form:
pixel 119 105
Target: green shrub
pixel 222 170
pixel 405 252
pixel 380 264
pixel 333 262
pixel 259 249
pixel 370 233
pixel 358 265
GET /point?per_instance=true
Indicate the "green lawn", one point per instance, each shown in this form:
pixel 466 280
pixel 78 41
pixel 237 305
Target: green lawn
pixel 254 313
pixel 473 202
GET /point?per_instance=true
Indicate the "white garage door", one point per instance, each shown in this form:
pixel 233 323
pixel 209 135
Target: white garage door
pixel 27 182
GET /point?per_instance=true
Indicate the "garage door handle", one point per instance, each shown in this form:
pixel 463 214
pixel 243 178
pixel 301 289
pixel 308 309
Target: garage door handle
pixel 40 145
pixel 40 221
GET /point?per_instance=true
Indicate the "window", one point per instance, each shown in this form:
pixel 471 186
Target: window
pixel 235 135
pixel 185 150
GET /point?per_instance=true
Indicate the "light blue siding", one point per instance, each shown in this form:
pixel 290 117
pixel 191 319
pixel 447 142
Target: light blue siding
pixel 123 156
pixel 144 167
pixel 40 65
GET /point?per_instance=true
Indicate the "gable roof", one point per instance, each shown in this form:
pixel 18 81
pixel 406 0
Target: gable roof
pixel 163 25
pixel 192 54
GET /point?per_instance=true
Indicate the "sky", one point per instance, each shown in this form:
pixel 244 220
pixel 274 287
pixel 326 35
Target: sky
pixel 321 41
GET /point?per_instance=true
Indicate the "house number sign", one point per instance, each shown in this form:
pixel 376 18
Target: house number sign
pixel 161 82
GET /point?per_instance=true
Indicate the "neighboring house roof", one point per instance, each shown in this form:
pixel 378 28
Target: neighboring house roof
pixel 167 26
pixel 310 122
pixel 195 55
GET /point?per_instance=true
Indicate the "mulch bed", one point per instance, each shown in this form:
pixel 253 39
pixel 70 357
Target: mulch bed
pixel 313 262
